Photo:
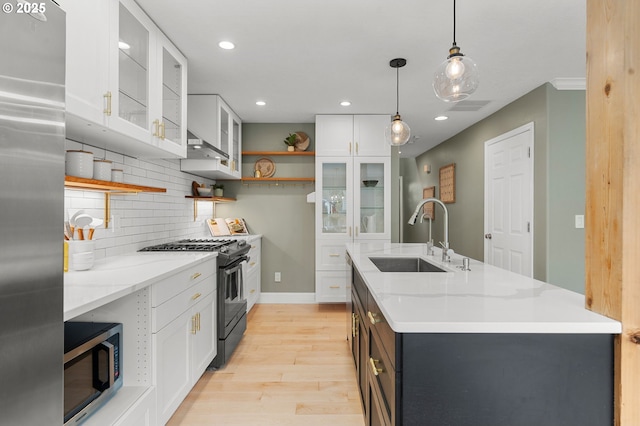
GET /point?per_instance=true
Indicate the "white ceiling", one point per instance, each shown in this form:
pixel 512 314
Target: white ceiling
pixel 303 57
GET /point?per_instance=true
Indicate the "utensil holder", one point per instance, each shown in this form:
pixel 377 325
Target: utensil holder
pixel 81 254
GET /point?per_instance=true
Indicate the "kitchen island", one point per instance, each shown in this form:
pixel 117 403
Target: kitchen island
pixel 478 347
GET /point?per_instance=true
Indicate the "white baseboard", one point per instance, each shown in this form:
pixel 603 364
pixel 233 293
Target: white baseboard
pixel 287 298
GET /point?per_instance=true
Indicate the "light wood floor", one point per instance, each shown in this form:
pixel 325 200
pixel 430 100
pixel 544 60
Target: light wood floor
pixel 293 367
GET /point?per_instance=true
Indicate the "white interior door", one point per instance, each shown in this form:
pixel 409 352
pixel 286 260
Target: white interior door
pixel 508 205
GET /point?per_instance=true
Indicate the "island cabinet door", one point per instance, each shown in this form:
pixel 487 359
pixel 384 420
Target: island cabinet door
pixel 381 385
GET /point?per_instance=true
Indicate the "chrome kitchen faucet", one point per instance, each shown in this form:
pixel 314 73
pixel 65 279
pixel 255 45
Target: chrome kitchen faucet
pixel 445 244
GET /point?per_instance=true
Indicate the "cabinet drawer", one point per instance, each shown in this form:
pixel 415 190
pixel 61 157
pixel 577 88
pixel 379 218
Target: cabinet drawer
pixel 167 312
pixel 331 256
pixel 378 325
pixel 331 286
pixel 382 378
pixel 175 284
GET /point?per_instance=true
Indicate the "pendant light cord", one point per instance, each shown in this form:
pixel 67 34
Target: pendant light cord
pixel 397 90
pixel 454 23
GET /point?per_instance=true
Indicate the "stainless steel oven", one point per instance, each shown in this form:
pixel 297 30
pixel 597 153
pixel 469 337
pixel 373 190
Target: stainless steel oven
pixel 92 367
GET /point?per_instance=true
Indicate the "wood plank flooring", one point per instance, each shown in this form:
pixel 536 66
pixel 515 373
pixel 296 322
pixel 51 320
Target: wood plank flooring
pixel 293 367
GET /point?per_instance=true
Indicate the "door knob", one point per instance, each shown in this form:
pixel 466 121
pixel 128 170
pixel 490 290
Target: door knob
pixel 487 236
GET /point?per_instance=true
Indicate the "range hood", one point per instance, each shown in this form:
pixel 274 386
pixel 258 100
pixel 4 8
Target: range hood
pixel 199 149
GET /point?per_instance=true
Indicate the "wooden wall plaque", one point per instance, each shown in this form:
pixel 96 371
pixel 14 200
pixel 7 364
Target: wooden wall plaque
pixel 448 183
pixel 429 209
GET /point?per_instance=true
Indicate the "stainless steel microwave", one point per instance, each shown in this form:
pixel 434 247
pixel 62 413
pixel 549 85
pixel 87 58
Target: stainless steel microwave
pixel 92 367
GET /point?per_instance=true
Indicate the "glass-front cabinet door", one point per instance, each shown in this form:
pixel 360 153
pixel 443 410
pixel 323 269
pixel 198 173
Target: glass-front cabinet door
pixel 236 146
pixel 131 101
pixel 372 198
pixel 334 209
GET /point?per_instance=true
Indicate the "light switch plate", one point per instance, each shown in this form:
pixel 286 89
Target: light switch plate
pixel 278 277
pixel 579 221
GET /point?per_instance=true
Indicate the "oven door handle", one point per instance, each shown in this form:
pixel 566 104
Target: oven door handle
pixel 100 382
pixel 232 270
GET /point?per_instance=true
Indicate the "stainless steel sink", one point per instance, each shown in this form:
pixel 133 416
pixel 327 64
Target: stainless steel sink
pixel 404 264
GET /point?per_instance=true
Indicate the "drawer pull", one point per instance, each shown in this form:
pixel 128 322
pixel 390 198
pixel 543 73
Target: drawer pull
pixel 372 318
pixel 252 246
pixel 195 296
pixel 334 255
pixel 374 368
pixel 198 321
pixel 196 275
pixel 334 286
pixel 193 324
pixel 252 264
pixel 253 290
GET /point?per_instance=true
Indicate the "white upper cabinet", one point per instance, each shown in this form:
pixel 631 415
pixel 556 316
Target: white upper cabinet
pixel 212 120
pixel 125 83
pixel 352 135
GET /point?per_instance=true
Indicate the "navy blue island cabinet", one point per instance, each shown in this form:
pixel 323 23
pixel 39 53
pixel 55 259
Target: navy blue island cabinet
pixel 479 379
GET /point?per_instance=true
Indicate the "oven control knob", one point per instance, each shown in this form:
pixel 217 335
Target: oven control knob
pixel 242 243
pixel 224 249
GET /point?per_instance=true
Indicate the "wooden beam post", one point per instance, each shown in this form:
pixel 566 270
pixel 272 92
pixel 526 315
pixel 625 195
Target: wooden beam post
pixel 613 187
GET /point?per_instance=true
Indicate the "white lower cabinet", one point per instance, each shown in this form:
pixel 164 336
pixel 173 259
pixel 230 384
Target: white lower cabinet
pixel 331 286
pixel 251 273
pixel 184 335
pixel 170 338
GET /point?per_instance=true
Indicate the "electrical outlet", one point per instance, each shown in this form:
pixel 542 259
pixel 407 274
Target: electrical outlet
pixel 278 277
pixel 579 221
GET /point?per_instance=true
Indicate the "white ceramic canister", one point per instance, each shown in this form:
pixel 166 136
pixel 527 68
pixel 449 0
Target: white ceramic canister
pixel 81 254
pixel 79 163
pixel 102 169
pixel 117 175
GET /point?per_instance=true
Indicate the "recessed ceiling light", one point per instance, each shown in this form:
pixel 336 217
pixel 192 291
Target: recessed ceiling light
pixel 261 103
pixel 227 45
pixel 124 46
pixel 345 103
pixel 441 118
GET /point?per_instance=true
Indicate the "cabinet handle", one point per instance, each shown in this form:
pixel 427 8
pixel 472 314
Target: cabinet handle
pixel 334 286
pixel 349 231
pixel 374 368
pixel 161 125
pixel 195 296
pixel 253 290
pixel 349 147
pixel 356 231
pixel 252 263
pixel 193 324
pixel 252 247
pixel 334 254
pixel 372 318
pixel 356 147
pixel 198 321
pixel 196 275
pixel 156 128
pixel 107 109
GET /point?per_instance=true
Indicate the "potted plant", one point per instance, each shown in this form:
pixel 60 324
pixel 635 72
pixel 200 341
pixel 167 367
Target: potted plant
pixel 290 141
pixel 218 190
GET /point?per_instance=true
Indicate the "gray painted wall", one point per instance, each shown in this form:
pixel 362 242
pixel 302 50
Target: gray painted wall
pixel 559 132
pixel 280 213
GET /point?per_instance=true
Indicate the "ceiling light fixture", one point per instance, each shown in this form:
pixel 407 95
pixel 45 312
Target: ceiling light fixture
pixel 398 132
pixel 345 103
pixel 457 77
pixel 123 45
pixel 441 118
pixel 261 103
pixel 226 45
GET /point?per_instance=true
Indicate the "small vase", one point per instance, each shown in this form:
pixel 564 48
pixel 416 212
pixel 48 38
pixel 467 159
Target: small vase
pixel 217 192
pixel 291 148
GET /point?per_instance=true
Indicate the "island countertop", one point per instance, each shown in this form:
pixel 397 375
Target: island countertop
pixel 485 299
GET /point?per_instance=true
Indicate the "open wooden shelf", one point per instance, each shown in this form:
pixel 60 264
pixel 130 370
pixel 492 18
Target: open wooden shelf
pixel 74 182
pixel 109 188
pixel 217 199
pixel 273 153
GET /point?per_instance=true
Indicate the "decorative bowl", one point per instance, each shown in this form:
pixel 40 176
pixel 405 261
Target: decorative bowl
pixel 370 183
pixel 205 191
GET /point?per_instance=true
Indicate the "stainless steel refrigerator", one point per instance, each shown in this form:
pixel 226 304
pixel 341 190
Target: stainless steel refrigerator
pixel 32 130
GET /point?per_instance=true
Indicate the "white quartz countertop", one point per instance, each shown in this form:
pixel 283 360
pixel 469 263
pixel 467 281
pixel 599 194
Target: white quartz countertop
pixel 114 277
pixel 485 299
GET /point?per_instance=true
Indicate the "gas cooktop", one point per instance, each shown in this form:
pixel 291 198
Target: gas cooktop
pixel 195 245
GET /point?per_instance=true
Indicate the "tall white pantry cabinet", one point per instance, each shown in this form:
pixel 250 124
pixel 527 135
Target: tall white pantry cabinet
pixel 353 194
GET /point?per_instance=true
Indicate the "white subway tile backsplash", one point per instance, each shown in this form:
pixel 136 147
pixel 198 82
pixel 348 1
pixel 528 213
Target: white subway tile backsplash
pixel 146 218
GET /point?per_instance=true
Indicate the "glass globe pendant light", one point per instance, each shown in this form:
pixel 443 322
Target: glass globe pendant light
pixel 457 77
pixel 397 132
